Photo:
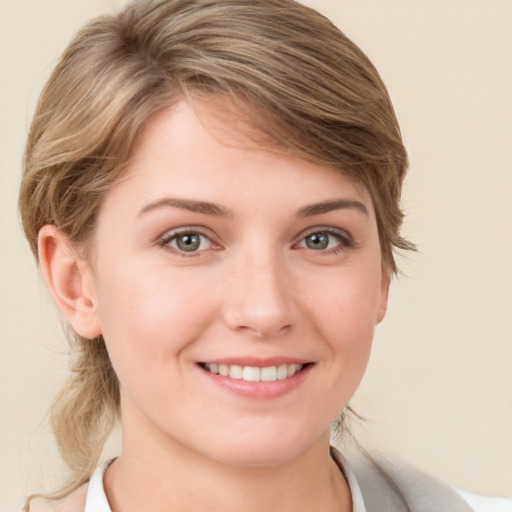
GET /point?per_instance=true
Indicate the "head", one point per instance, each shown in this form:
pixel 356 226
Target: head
pixel 293 81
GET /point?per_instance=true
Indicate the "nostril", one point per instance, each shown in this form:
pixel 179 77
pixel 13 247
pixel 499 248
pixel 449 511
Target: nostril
pixel 264 330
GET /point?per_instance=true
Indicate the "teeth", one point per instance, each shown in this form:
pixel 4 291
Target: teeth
pixel 235 371
pixel 251 374
pixel 282 371
pixel 254 373
pixel 269 374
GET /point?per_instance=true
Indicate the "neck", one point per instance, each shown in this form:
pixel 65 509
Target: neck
pixel 169 478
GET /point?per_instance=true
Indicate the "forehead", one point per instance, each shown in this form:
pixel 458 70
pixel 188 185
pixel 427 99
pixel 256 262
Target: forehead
pixel 197 140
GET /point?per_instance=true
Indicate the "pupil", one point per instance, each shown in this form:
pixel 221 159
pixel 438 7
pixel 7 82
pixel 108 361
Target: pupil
pixel 188 242
pixel 317 241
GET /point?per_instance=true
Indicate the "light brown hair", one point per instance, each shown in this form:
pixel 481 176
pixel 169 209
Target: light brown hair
pixel 313 92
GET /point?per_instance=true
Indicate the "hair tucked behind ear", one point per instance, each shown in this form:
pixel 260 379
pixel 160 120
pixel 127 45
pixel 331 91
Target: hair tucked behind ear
pixel 293 78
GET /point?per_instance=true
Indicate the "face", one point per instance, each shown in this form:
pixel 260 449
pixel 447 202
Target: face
pixel 237 291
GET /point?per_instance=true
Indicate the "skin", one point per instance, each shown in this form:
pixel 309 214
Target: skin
pixel 256 288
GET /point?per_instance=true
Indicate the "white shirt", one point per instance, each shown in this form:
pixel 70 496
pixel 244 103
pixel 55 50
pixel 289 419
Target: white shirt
pixel 97 500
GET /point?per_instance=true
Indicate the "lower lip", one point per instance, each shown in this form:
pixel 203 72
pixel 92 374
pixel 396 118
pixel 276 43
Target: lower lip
pixel 259 390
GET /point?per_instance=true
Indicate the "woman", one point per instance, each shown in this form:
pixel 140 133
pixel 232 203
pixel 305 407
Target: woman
pixel 212 190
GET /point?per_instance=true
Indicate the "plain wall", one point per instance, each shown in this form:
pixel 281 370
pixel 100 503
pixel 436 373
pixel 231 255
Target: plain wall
pixel 439 386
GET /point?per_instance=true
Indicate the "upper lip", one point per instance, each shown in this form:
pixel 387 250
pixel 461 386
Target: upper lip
pixel 258 362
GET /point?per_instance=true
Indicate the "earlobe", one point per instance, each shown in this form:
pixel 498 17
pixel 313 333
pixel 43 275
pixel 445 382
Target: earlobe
pixel 384 294
pixel 69 281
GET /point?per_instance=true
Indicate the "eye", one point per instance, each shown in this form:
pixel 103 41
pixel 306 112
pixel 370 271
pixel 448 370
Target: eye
pixel 187 242
pixel 325 240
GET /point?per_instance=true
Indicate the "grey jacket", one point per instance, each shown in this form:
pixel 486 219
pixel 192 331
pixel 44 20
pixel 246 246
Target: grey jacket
pixel 383 481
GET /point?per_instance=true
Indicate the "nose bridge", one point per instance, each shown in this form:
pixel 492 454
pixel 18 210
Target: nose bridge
pixel 259 298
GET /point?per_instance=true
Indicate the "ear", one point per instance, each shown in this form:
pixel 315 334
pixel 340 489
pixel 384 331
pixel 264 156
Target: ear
pixel 385 281
pixel 70 281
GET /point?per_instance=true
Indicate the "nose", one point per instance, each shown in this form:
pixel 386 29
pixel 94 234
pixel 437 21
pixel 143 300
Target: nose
pixel 260 298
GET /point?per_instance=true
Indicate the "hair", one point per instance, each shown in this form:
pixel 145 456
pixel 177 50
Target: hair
pixel 293 78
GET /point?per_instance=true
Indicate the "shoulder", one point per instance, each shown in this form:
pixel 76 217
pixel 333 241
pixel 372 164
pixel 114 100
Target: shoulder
pixel 402 486
pixel 74 502
pixel 480 503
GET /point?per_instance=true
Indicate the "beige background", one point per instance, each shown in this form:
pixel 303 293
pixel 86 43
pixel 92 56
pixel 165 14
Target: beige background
pixel 439 387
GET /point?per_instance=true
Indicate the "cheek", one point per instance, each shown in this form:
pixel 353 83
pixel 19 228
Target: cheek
pixel 345 308
pixel 149 315
pixel 347 302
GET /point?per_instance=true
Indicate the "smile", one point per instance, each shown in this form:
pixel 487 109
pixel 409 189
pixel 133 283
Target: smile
pixel 254 373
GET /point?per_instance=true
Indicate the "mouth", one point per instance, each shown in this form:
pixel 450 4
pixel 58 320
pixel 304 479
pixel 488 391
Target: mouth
pixel 255 373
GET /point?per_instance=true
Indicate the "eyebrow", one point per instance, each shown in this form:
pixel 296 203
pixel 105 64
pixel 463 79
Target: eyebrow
pixel 191 205
pixel 328 206
pixel 208 208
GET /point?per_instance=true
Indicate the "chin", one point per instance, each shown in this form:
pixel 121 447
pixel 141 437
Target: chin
pixel 263 449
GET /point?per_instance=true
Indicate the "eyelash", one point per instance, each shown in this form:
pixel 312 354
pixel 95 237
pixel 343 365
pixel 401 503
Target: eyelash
pixel 168 237
pixel 345 241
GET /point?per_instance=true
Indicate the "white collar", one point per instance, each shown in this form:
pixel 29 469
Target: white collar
pixel 355 491
pixel 96 500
